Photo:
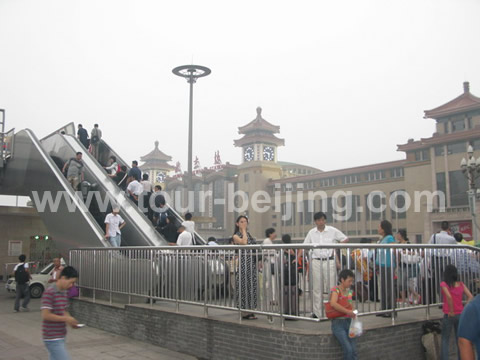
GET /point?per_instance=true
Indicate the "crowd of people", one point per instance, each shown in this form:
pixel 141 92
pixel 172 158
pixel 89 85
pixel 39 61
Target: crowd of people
pixel 395 277
pixel 338 277
pixel 137 187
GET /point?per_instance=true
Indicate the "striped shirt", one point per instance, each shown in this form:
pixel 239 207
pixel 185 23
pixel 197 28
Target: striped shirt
pixel 56 301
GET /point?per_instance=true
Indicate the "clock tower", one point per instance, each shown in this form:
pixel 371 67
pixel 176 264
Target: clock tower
pixel 259 142
pixel 156 166
pixel 259 165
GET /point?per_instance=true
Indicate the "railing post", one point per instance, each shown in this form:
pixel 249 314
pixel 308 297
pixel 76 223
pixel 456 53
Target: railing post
pixel 282 290
pixel 111 275
pixel 94 275
pixel 375 279
pixel 427 281
pixel 310 279
pixel 206 285
pixel 239 295
pixel 80 271
pixel 392 287
pixel 151 276
pixel 177 304
pixel 129 276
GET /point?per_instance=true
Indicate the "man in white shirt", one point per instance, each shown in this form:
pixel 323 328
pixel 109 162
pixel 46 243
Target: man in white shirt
pixel 134 189
pixel 185 238
pixel 212 241
pixel 147 191
pixel 439 259
pixel 57 270
pixel 189 224
pixel 22 277
pixel 269 258
pixel 114 224
pixel 324 263
pixel 443 237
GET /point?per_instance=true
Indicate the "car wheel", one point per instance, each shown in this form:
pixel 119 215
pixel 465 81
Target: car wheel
pixel 36 291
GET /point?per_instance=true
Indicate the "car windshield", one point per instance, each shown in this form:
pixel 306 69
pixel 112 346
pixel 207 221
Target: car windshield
pixel 46 270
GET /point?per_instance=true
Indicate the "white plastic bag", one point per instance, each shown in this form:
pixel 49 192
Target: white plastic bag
pixel 356 328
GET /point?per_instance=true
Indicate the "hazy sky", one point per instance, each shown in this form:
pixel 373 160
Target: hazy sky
pixel 346 80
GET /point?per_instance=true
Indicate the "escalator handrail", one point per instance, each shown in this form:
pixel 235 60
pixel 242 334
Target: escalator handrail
pixel 180 219
pixel 65 184
pixel 114 153
pixel 109 179
pixel 71 123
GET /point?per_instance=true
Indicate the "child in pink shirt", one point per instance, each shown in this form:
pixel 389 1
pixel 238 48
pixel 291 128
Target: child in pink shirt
pixel 452 291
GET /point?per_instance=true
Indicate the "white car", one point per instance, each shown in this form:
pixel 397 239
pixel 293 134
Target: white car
pixel 38 283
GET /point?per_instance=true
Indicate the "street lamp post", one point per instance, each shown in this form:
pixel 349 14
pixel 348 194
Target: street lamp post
pixel 471 170
pixel 191 73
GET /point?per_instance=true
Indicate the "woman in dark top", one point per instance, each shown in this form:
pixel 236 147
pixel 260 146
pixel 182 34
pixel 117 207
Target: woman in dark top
pixel 246 279
pixel 290 296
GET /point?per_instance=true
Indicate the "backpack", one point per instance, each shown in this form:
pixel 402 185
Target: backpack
pixel 94 139
pixel 21 275
pixel 162 219
pixel 300 263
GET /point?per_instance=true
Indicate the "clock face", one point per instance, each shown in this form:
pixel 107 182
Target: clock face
pixel 161 177
pixel 268 153
pixel 248 153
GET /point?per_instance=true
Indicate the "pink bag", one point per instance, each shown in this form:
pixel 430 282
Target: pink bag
pixel 73 292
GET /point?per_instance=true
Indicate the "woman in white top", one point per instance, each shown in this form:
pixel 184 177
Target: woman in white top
pixel 147 185
pixel 112 167
pixel 269 268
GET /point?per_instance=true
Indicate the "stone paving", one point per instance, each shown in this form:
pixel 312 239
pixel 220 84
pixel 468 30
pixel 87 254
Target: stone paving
pixel 20 338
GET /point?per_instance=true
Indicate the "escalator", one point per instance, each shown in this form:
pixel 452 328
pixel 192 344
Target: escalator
pixel 31 169
pixel 105 151
pixel 139 230
pixel 36 167
pixel 34 171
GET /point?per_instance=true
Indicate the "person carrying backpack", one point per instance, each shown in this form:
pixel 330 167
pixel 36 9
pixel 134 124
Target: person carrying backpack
pixel 95 137
pixel 22 277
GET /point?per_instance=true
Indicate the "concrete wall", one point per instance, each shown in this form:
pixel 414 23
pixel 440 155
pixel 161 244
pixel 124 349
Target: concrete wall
pixel 18 224
pixel 212 339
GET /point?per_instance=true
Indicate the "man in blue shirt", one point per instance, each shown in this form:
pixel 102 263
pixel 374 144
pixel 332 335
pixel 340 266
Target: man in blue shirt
pixel 134 173
pixel 469 330
pixel 82 135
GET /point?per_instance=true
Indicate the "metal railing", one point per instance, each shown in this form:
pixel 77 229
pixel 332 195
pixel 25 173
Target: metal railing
pixel 6 144
pixel 284 281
